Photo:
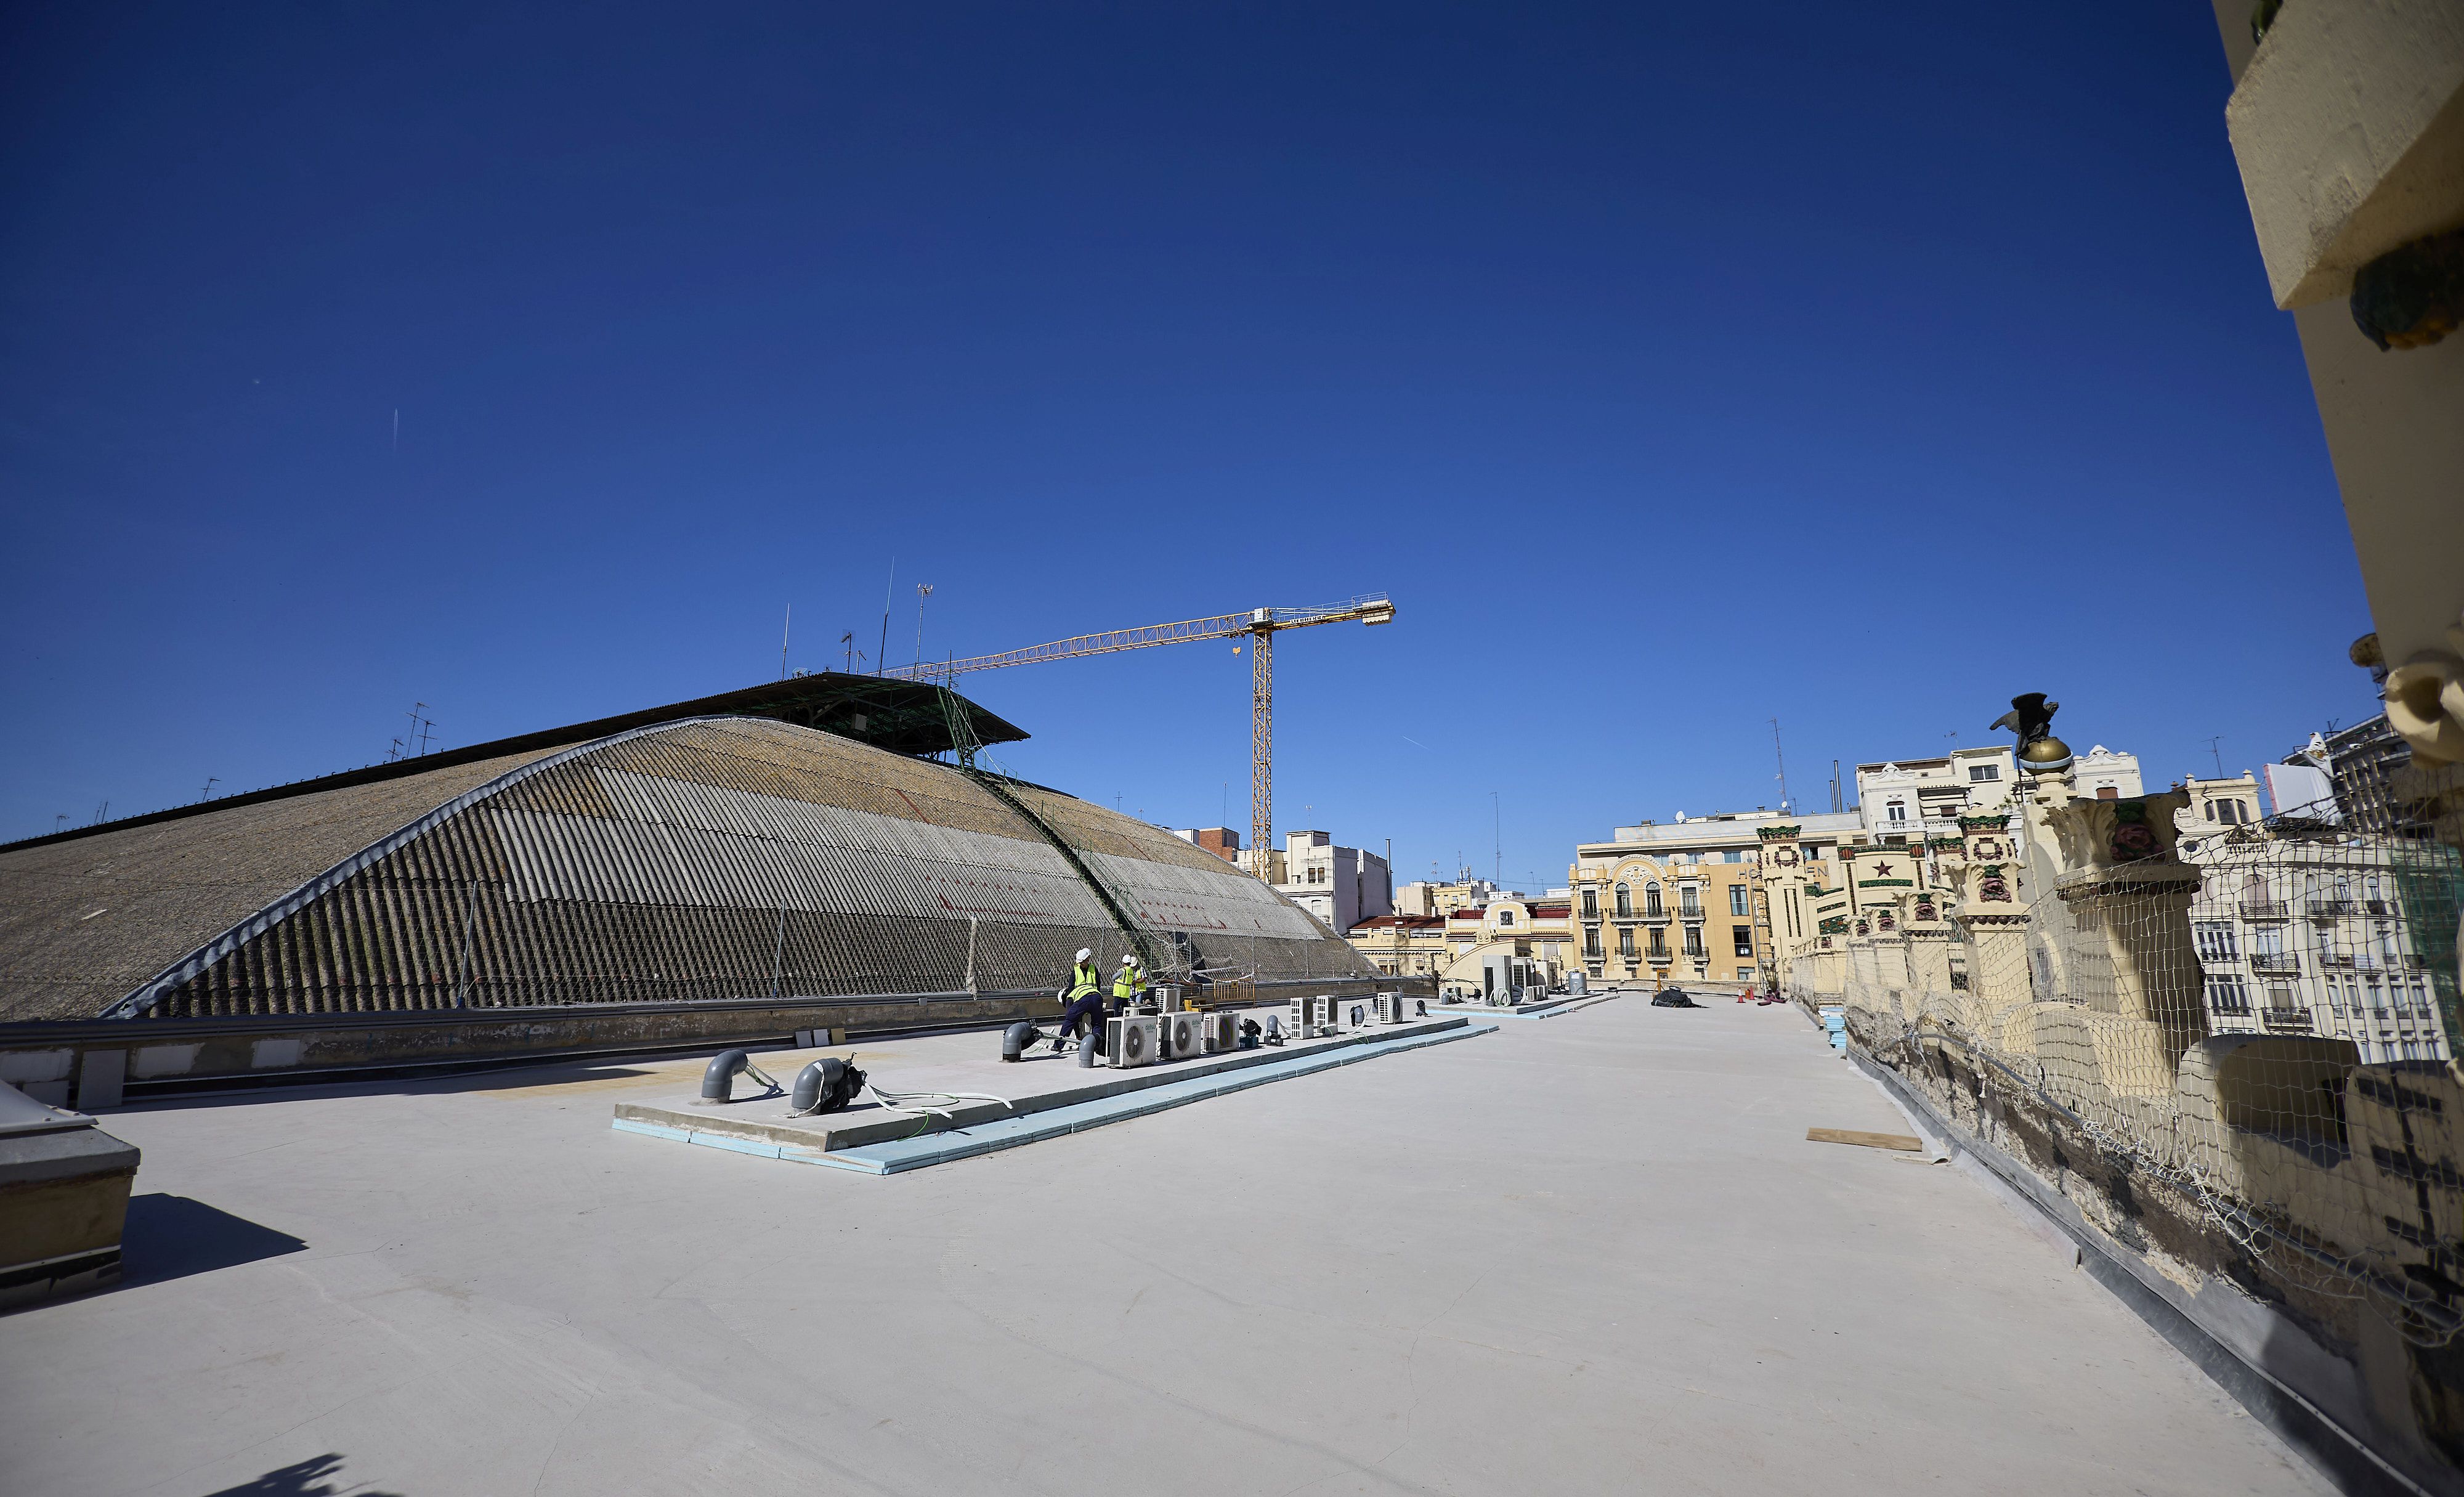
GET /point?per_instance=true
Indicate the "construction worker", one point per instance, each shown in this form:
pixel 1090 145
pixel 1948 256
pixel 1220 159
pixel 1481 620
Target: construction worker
pixel 1085 998
pixel 1129 985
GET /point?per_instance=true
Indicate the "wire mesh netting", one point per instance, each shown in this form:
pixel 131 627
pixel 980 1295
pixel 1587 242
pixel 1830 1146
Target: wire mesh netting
pixel 2225 1037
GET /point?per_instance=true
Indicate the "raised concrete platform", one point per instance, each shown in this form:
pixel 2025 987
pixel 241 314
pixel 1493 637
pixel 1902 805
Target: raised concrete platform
pixel 971 1063
pixel 1552 1008
pixel 1059 1116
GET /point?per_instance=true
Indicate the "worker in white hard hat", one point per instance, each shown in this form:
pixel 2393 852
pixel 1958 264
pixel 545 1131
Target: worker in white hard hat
pixel 1083 998
pixel 1129 985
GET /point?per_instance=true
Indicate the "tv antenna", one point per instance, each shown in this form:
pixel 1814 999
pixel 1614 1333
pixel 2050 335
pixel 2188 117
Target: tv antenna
pixel 1782 758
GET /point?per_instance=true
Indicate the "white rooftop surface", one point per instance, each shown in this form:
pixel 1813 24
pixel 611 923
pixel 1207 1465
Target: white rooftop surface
pixel 1593 1255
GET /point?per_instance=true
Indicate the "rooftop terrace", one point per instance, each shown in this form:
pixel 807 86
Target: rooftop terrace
pixel 1590 1255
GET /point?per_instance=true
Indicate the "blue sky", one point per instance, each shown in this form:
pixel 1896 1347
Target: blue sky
pixel 1672 371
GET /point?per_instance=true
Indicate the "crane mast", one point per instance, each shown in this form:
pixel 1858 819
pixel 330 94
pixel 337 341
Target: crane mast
pixel 1260 625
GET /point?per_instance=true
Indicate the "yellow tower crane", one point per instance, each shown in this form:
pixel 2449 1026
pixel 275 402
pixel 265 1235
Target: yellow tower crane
pixel 1260 625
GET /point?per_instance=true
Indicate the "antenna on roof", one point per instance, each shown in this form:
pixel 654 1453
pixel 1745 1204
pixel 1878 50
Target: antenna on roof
pixel 1783 766
pixel 783 640
pixel 888 591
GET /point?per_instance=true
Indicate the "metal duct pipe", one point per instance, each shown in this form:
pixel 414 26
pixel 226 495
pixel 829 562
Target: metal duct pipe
pixel 1016 1039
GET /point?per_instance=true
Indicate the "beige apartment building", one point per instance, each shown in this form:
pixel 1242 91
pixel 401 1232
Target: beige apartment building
pixel 1675 903
pixel 1403 945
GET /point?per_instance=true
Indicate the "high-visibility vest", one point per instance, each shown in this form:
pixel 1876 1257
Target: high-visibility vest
pixel 1129 984
pixel 1083 980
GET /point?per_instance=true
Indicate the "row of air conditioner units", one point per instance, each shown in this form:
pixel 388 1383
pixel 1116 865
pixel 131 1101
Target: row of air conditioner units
pixel 1152 1039
pixel 1313 1018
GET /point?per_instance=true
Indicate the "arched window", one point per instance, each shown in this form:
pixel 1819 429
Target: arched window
pixel 1651 897
pixel 1624 900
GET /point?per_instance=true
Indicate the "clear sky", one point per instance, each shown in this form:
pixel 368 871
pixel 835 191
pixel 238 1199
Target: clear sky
pixel 1674 368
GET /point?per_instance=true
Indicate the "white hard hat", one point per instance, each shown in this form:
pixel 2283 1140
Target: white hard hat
pixel 1084 953
pixel 1129 958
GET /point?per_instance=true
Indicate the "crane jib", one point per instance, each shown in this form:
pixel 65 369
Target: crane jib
pixel 1262 624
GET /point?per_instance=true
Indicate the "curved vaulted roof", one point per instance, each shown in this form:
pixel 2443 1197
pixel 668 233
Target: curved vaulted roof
pixel 713 858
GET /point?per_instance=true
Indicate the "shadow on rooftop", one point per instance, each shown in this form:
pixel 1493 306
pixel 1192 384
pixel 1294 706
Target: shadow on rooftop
pixel 309 1478
pixel 171 1236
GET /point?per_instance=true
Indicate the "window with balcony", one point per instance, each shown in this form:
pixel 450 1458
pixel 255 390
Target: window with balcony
pixel 1624 900
pixel 1592 941
pixel 2226 994
pixel 1737 900
pixel 1694 941
pixel 2215 941
pixel 1745 939
pixel 1689 904
pixel 1625 942
pixel 1591 904
pixel 1659 943
pixel 1896 813
pixel 1651 899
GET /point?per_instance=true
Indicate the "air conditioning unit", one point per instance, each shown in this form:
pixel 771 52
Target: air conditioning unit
pixel 1392 1009
pixel 1167 999
pixel 1181 1039
pixel 1298 1018
pixel 1357 1012
pixel 1322 1020
pixel 1133 1039
pixel 1219 1031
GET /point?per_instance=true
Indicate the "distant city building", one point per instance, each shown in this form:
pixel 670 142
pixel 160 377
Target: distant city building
pixel 1403 945
pixel 2107 776
pixel 1341 886
pixel 1920 798
pixel 1222 841
pixel 1423 897
pixel 1533 937
pixel 2307 932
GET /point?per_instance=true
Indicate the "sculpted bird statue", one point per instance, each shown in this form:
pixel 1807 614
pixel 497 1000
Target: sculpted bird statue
pixel 2030 716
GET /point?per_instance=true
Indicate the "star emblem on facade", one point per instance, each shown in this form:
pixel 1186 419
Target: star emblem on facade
pixel 1881 870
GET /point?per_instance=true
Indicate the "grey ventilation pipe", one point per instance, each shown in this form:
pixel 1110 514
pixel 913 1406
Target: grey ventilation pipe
pixel 1091 1049
pixel 719 1082
pixel 1016 1039
pixel 824 1086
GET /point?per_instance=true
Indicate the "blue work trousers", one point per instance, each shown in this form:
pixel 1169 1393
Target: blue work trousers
pixel 1090 1008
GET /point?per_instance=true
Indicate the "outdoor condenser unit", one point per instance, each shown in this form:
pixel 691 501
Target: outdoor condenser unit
pixel 1132 1039
pixel 1296 1017
pixel 1219 1031
pixel 1321 1014
pixel 1391 1009
pixel 1179 1037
